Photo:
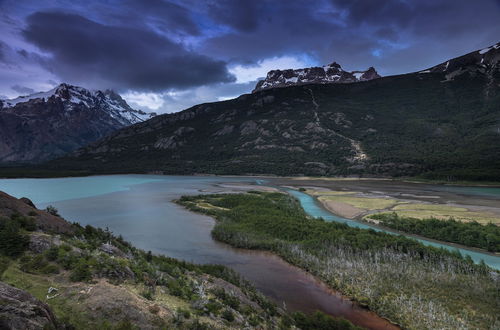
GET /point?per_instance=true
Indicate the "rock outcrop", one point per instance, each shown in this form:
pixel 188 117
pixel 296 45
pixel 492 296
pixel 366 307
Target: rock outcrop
pixel 20 310
pixel 328 74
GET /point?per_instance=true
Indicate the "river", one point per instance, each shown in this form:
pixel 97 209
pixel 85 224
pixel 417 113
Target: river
pixel 140 208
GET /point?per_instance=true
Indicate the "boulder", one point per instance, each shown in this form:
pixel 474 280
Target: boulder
pixel 20 310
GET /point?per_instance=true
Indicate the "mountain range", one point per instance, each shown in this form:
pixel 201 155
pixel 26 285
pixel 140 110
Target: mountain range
pixel 42 126
pixel 442 122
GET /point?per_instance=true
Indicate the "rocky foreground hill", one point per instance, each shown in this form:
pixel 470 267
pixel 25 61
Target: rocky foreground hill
pixel 46 125
pixel 443 122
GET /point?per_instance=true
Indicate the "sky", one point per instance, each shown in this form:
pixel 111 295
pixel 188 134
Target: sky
pixel 167 55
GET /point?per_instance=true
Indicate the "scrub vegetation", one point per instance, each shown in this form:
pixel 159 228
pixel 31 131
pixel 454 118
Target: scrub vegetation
pixel 413 285
pixel 466 233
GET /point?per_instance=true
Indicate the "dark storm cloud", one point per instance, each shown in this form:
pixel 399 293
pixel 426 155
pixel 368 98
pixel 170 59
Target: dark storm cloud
pixel 22 90
pixel 278 28
pixel 185 45
pixel 358 33
pixel 241 15
pixel 164 15
pixel 124 57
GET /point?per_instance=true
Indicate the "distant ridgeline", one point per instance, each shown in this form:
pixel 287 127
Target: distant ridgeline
pixel 440 123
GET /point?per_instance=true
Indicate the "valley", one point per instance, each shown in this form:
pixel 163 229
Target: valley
pixel 249 165
pixel 118 201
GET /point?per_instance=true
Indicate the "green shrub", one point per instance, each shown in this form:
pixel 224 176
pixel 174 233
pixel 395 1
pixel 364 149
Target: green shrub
pixel 228 315
pixel 52 210
pixel 184 313
pixel 81 272
pixel 27 223
pixel 319 320
pixel 50 269
pixel 147 294
pixel 175 288
pixel 213 307
pixel 12 242
pixel 52 253
pixel 4 264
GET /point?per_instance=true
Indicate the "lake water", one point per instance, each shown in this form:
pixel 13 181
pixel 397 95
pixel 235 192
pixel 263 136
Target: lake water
pixel 140 208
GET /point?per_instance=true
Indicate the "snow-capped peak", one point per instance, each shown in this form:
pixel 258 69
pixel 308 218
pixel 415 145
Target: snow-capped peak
pixel 76 97
pixel 327 74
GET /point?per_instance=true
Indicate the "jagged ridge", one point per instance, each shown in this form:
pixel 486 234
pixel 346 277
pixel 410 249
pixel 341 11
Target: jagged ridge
pixel 328 74
pixel 45 125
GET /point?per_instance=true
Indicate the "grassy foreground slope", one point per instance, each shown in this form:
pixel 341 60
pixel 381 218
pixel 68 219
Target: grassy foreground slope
pixel 416 286
pixel 90 279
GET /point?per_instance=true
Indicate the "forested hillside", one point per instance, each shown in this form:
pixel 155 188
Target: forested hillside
pixel 441 123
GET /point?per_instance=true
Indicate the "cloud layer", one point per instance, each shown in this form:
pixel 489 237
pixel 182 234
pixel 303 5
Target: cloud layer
pixel 119 56
pixel 169 54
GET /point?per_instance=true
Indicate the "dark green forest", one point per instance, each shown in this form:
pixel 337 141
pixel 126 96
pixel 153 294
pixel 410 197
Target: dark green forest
pixel 466 233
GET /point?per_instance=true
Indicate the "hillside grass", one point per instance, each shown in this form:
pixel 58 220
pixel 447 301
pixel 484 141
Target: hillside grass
pixel 441 211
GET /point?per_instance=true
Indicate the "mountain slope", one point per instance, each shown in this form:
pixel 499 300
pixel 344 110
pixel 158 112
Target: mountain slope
pixel 328 74
pixel 45 125
pixel 443 123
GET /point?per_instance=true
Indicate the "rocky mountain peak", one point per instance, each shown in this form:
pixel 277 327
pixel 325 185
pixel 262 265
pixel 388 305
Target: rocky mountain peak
pixel 483 61
pixel 73 115
pixel 328 74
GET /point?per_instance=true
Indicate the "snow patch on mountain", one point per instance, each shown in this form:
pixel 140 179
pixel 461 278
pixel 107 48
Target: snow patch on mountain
pixel 75 97
pixel 484 62
pixel 328 74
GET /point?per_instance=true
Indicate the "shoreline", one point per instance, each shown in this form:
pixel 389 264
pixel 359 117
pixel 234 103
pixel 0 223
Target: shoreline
pixel 46 174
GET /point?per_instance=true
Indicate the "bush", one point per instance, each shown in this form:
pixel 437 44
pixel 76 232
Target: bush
pixel 147 294
pixel 52 253
pixel 52 210
pixel 12 242
pixel 27 223
pixel 319 320
pixel 4 264
pixel 175 288
pixel 228 315
pixel 81 272
pixel 184 313
pixel 213 307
